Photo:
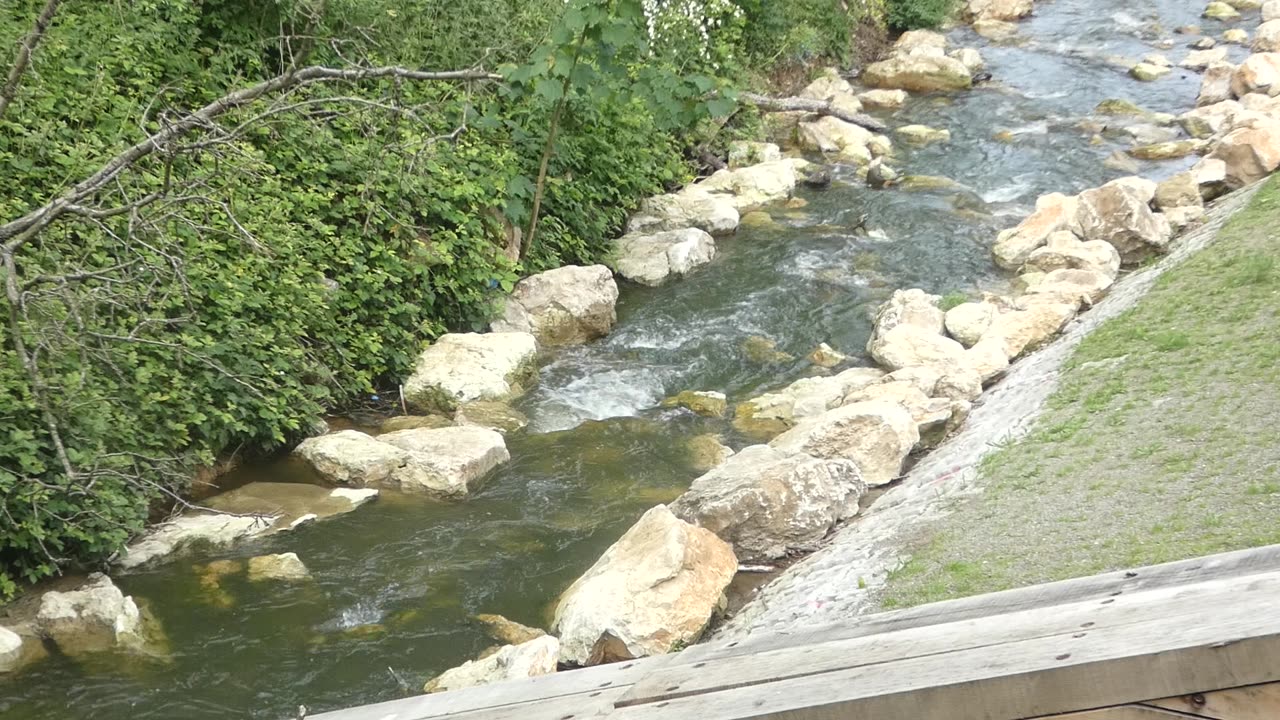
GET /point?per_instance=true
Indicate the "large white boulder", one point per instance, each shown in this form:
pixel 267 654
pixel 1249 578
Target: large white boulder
pixel 967 322
pixel 1006 10
pixel 652 591
pixel 767 415
pixel 650 259
pixel 1215 85
pixel 1065 251
pixel 1260 72
pixel 908 345
pixel 906 307
pixel 1209 120
pixel 690 208
pixel 564 306
pixel 532 658
pixel 929 413
pixel 832 88
pixel 10 650
pixel 919 64
pixel 1022 330
pixel 350 457
pixel 1249 153
pixel 833 136
pixel 1054 212
pixel 95 617
pixel 756 185
pixel 461 367
pixel 876 436
pixel 1119 213
pixel 446 461
pixel 767 503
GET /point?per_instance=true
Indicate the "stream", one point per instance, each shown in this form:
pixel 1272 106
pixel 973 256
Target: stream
pixel 396 581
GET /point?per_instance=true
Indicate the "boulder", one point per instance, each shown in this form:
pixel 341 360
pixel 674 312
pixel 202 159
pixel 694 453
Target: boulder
pixel 1180 217
pixel 707 403
pixel 830 87
pixel 564 306
pixel 1118 212
pixel 921 377
pixel 350 457
pixel 1211 175
pixel 907 345
pixel 922 134
pixel 831 135
pixel 1209 120
pixel 1167 150
pixel 825 356
pixel 930 414
pixel 996 9
pixel 1148 72
pixel 1259 72
pixel 962 382
pixel 1220 11
pixel 95 617
pixel 884 99
pixel 282 567
pixel 1215 85
pixel 987 358
pixel 1073 286
pixel 750 187
pixel 1271 10
pixel 914 42
pixel 706 451
pixel 972 59
pixel 743 153
pixel 1021 331
pixel 767 503
pixel 507 632
pixel 1249 153
pixel 10 650
pixel 535 657
pixel 1201 59
pixel 1054 212
pixel 968 321
pixel 1065 251
pixel 876 436
pixel 767 415
pixel 652 259
pixel 690 208
pixel 995 30
pixel 1235 36
pixel 411 422
pixel 463 367
pixel 446 461
pixel 907 307
pixel 192 529
pixel 491 414
pixel 652 591
pixel 1178 191
pixel 919 73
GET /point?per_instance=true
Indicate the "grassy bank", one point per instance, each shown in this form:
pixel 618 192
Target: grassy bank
pixel 1159 444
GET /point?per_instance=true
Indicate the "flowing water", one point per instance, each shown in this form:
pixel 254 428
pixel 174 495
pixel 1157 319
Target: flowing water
pixel 396 580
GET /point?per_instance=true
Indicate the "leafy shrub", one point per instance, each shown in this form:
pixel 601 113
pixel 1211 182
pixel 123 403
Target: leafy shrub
pixel 917 14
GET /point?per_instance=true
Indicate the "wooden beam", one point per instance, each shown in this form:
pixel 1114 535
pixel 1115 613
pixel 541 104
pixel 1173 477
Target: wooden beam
pixel 1122 712
pixel 1258 702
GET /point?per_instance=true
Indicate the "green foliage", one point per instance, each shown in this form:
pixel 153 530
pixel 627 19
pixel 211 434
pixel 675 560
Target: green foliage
pixel 803 30
pixel 917 14
pixel 952 299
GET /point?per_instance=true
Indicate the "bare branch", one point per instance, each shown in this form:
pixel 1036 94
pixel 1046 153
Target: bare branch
pixel 820 107
pixel 25 50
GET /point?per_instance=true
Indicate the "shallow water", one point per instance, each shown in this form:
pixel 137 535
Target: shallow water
pixel 396 581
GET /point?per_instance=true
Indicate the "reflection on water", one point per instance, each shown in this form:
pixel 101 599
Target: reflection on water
pixel 395 582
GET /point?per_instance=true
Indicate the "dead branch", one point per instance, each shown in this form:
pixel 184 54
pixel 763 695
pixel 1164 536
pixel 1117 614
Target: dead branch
pixel 25 49
pixel 819 107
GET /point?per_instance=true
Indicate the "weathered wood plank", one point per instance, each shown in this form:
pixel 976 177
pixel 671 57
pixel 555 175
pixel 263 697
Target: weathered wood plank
pixel 680 678
pixel 573 686
pixel 1121 712
pixel 1259 702
pixel 1210 567
pixel 1235 645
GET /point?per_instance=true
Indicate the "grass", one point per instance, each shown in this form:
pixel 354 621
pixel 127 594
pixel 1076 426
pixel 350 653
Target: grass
pixel 1159 444
pixel 952 299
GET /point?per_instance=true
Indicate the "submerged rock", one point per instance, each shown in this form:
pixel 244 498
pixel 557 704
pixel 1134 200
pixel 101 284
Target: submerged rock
pixel 1166 150
pixel 192 529
pixel 290 503
pixel 535 657
pixel 767 503
pixel 652 591
pixel 653 259
pixel 93 618
pixel 707 451
pixel 923 134
pixel 463 367
pixel 564 306
pixel 282 567
pixel 507 632
pixel 705 403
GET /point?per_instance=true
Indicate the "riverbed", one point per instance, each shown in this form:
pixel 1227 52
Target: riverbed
pixel 396 581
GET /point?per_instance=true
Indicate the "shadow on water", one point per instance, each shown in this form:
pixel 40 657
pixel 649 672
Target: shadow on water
pixel 395 582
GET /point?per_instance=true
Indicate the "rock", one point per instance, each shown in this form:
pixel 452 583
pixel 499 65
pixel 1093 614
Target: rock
pixel 1255 104
pixel 929 183
pixel 915 42
pixel 1054 212
pixel 1157 59
pixel 565 306
pixel 1243 5
pixel 464 367
pixel 923 134
pixel 288 503
pixel 1250 153
pixel 285 567
pixel 192 529
pixel 884 99
pixel 995 30
pixel 833 136
pixel 971 59
pixel 93 618
pixel 757 218
pixel 826 356
pixel 652 591
pixel 1024 330
pixel 491 414
pixel 1235 36
pixel 1259 72
pixel 876 436
pixel 1220 11
pixel 1166 150
pixel 764 351
pixel 1211 176
pixel 11 652
pixel 706 452
pixel 1118 213
pixel 1065 251
pixel 1121 162
pixel 767 503
pixel 1074 286
pixel 350 457
pixel 1178 191
pixel 652 259
pixel 1147 72
pixel 705 403
pixel 1215 86
pixel 507 632
pixel 743 153
pixel 1210 120
pixel 772 413
pixel 880 175
pixel 1271 10
pixel 907 345
pixel 1204 43
pixel 1201 59
pixel 832 88
pixel 987 358
pixel 539 656
pixel 412 422
pixel 919 73
pixel 751 187
pixel 1119 108
pixel 1149 133
pixel 907 307
pixel 960 383
pixel 930 414
pixel 996 9
pixel 690 208
pixel 1180 217
pixel 967 322
pixel 921 377
pixel 446 461
pixel 814 176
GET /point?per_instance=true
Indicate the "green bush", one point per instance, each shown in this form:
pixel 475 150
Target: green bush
pixel 917 14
